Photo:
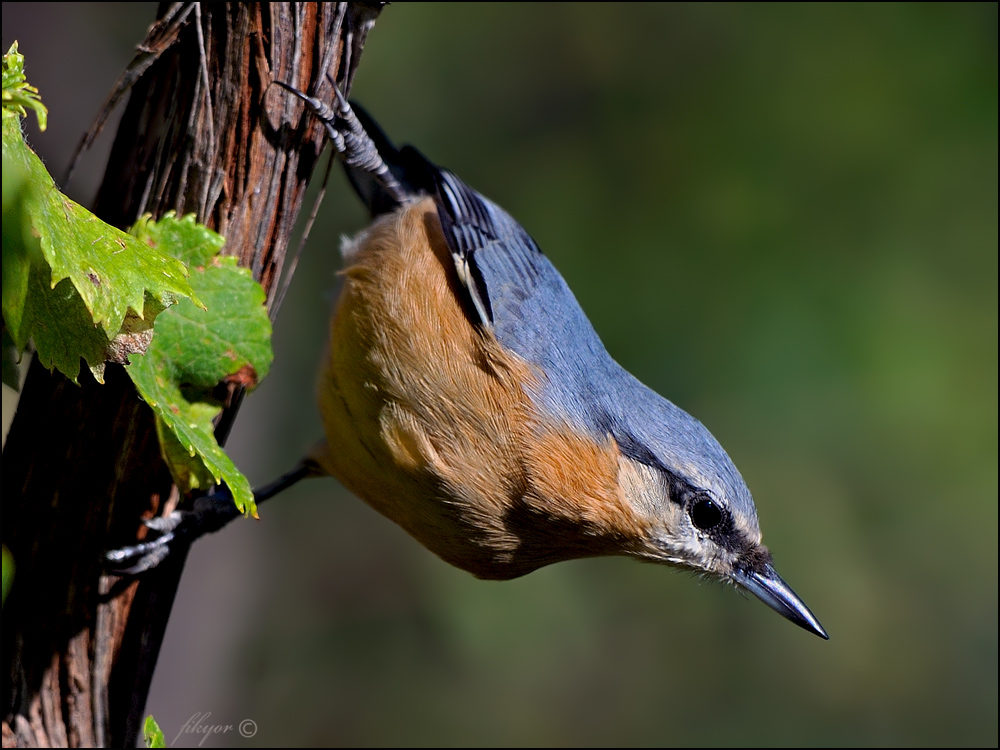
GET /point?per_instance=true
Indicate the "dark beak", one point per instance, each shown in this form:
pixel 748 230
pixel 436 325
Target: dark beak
pixel 767 586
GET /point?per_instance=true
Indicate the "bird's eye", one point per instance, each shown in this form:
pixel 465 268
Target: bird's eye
pixel 705 514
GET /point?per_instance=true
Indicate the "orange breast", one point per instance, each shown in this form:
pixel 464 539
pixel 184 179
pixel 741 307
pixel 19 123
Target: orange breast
pixel 428 420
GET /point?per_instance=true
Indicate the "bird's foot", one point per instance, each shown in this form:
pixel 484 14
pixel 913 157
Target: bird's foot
pixel 176 531
pixel 350 139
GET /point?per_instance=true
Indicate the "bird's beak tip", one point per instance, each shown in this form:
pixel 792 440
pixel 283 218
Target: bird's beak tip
pixel 769 587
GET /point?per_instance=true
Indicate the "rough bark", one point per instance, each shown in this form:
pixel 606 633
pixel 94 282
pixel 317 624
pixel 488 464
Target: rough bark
pixel 203 133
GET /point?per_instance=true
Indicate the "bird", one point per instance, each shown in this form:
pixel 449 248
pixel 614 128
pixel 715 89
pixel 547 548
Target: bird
pixel 466 397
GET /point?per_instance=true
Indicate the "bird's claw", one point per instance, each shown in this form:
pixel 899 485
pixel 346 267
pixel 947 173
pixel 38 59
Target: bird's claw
pixel 176 530
pixel 138 558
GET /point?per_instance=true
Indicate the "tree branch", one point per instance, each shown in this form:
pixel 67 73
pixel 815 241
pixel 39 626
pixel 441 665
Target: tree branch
pixel 203 132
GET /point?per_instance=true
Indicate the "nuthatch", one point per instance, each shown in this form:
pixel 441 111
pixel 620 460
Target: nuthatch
pixel 466 397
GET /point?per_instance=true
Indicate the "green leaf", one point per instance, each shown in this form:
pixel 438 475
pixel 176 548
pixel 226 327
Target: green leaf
pixel 18 95
pixel 14 276
pixel 80 288
pixel 77 286
pixel 152 735
pixel 185 239
pixel 195 349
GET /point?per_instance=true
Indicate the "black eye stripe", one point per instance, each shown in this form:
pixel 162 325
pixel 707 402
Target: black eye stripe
pixel 629 446
pixel 713 517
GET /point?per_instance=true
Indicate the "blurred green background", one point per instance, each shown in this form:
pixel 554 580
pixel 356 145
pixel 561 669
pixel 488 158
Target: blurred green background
pixel 783 218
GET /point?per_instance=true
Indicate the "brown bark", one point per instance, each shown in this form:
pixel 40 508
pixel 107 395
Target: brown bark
pixel 202 133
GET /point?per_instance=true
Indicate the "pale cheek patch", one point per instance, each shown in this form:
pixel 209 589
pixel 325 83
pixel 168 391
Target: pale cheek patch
pixel 672 537
pixel 749 529
pixel 641 486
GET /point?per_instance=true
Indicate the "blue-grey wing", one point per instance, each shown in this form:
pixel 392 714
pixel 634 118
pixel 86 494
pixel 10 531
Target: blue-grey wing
pixel 522 298
pixel 497 261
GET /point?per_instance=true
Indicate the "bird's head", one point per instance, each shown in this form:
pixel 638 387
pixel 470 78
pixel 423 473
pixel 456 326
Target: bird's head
pixel 700 514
